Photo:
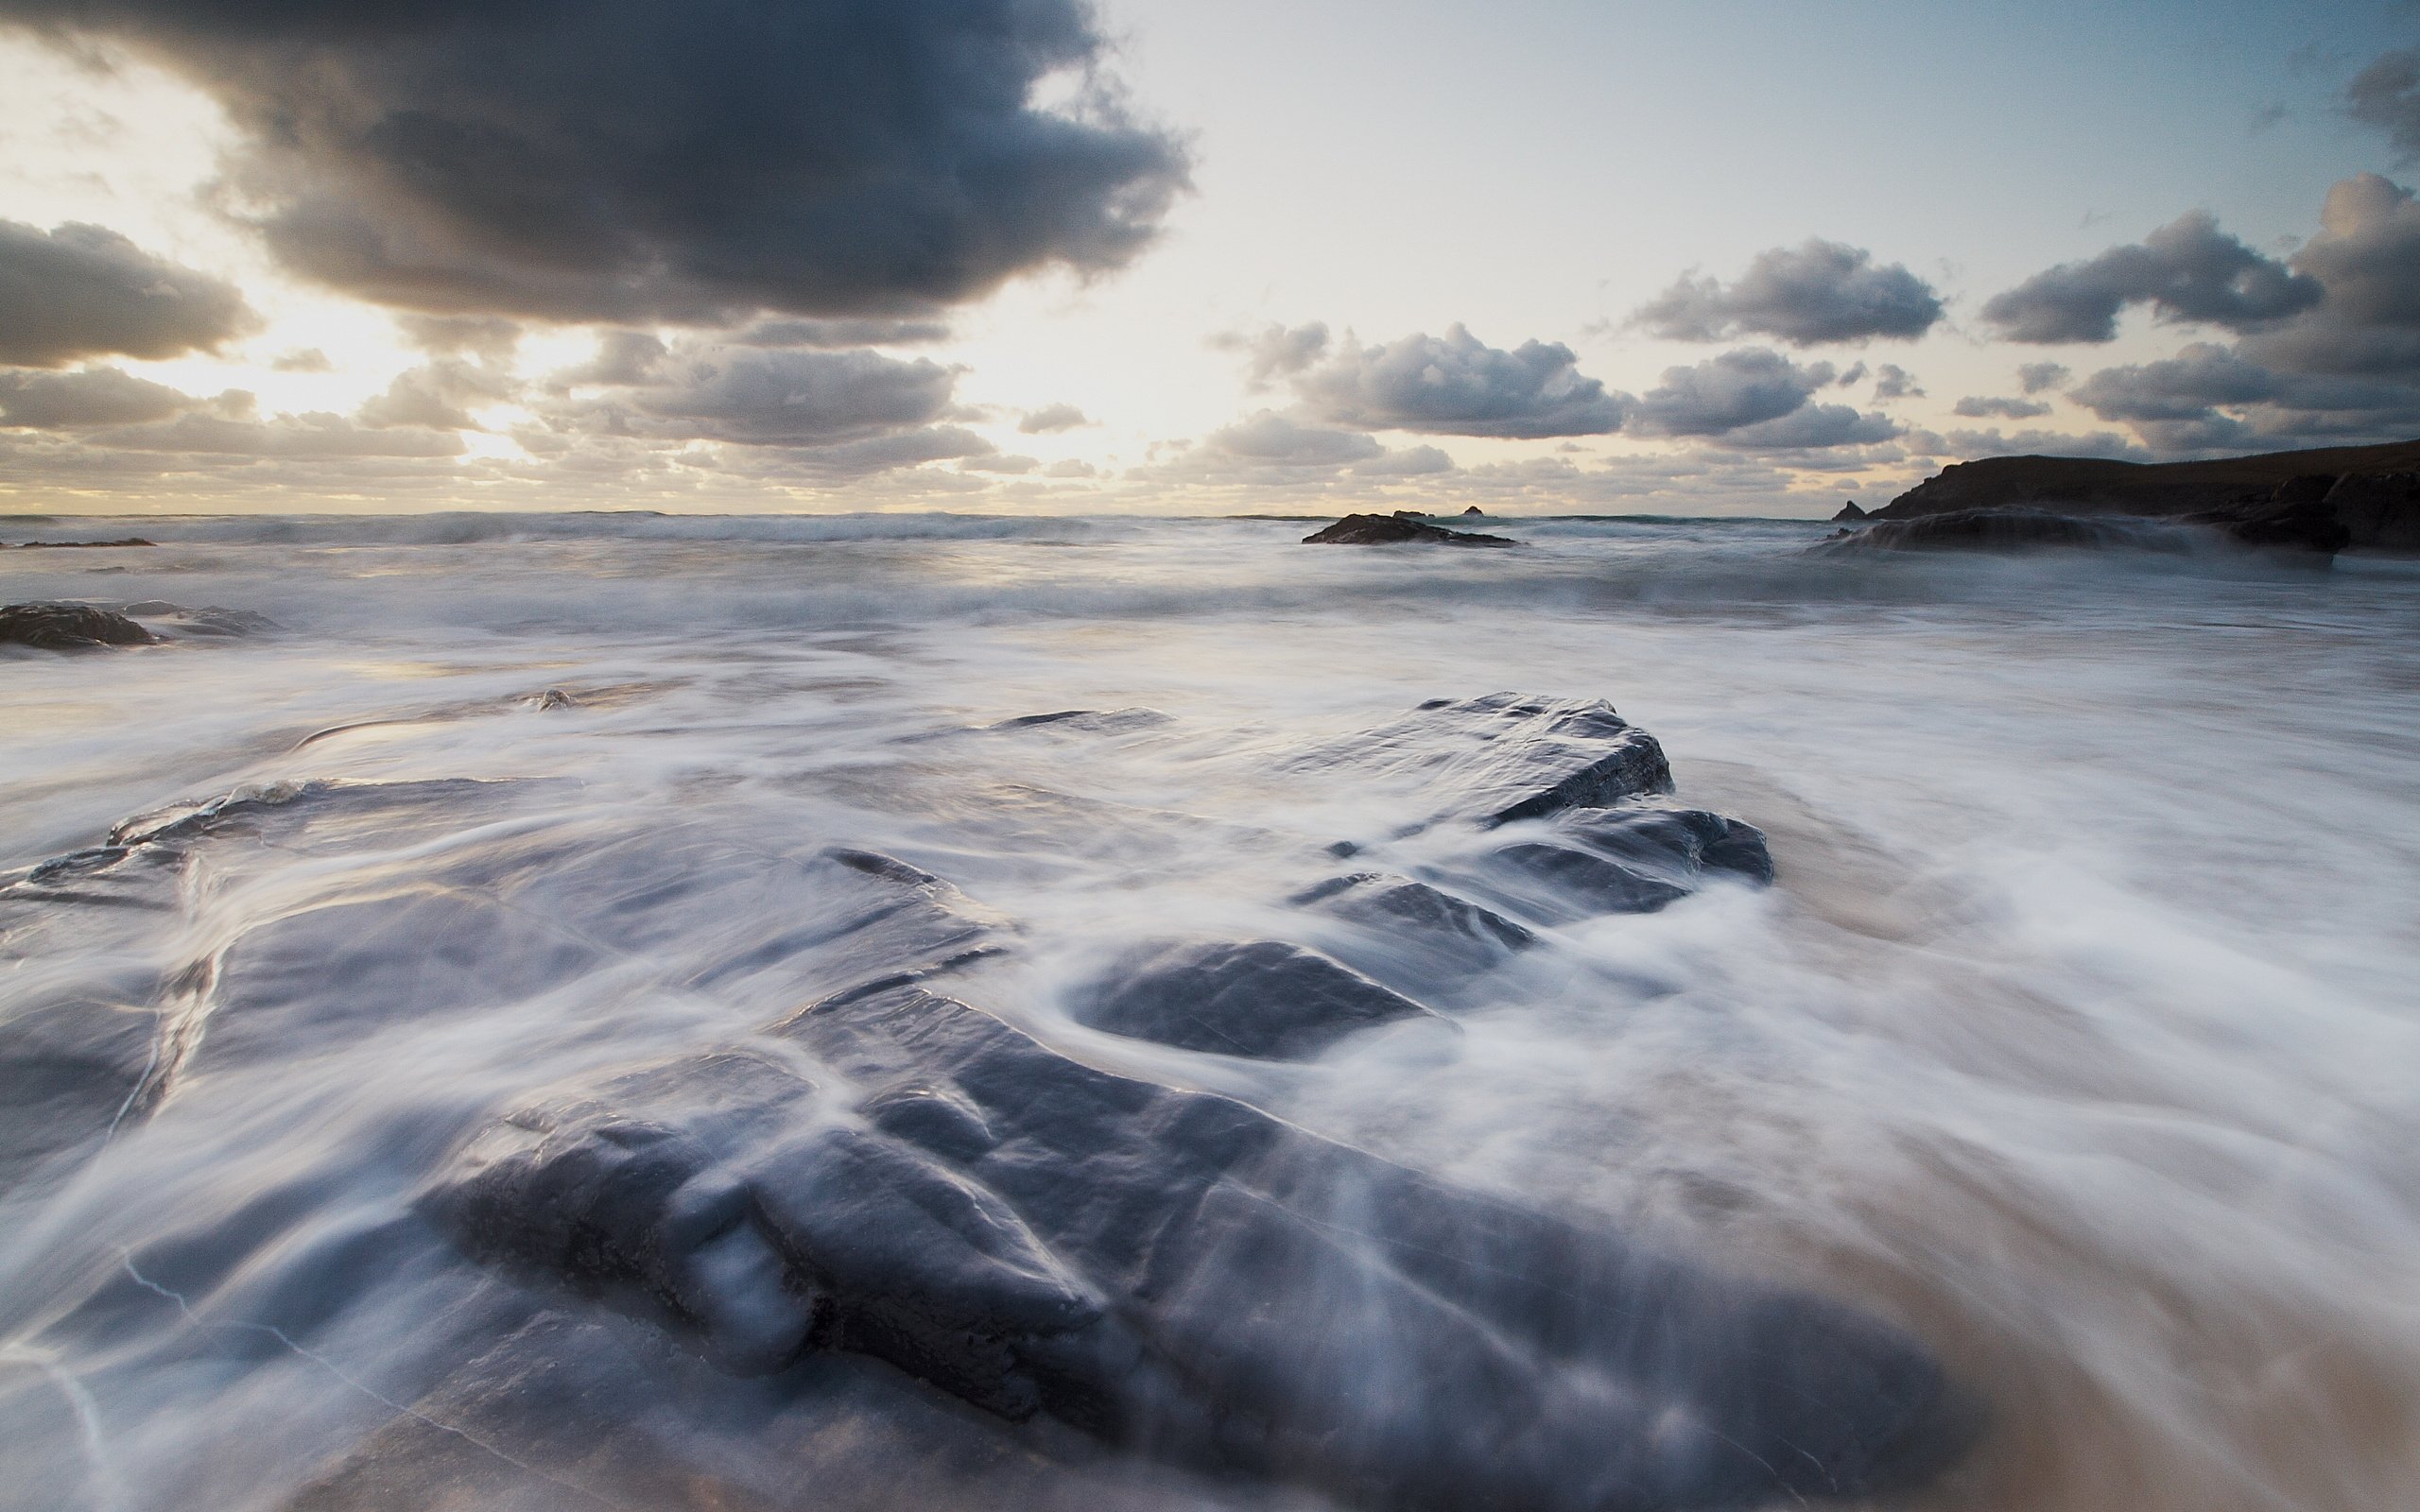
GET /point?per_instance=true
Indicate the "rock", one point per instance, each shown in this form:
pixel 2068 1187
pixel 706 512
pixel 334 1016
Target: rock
pixel 81 545
pixel 1683 844
pixel 1176 1274
pixel 1587 885
pixel 68 628
pixel 1507 756
pixel 219 623
pixel 1385 530
pixel 2297 517
pixel 1424 929
pixel 2379 510
pixel 2011 529
pixel 1849 512
pixel 1473 510
pixel 1267 1000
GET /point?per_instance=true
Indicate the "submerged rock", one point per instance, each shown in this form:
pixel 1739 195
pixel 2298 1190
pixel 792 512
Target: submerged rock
pixel 1508 756
pixel 81 545
pixel 68 628
pixel 1176 1274
pixel 1389 530
pixel 1998 530
pixel 910 1221
pixel 1264 999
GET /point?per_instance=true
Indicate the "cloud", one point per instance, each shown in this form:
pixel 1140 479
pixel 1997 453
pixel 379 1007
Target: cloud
pixel 92 396
pixel 1724 393
pixel 301 359
pixel 1813 428
pixel 485 335
pixel 1275 352
pixel 82 291
pixel 1456 384
pixel 2035 377
pixel 2386 95
pixel 844 332
pixel 1807 295
pixel 628 159
pixel 1051 419
pixel 2214 398
pixel 1967 444
pixel 1269 436
pixel 2187 270
pixel 439 395
pixel 2367 258
pixel 1891 380
pixel 752 396
pixel 1974 407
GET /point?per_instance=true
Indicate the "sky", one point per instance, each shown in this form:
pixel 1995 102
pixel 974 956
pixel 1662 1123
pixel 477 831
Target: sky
pixel 1037 256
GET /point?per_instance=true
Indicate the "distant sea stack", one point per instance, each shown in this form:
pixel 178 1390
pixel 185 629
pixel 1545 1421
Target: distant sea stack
pixel 1850 512
pixel 2361 496
pixel 1389 530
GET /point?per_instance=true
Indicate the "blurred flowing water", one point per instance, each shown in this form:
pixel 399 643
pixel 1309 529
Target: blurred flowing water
pixel 2077 1037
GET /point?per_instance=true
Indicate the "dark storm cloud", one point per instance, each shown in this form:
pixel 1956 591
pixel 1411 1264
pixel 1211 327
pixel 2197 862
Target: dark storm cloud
pixel 2386 95
pixel 1979 407
pixel 85 291
pixel 1816 292
pixel 626 159
pixel 2186 270
pixel 1457 384
pixel 92 396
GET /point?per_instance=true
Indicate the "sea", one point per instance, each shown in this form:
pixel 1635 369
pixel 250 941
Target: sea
pixel 2077 1037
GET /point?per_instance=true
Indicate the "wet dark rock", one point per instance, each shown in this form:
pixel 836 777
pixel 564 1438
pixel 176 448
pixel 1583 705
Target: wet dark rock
pixel 1683 843
pixel 1849 512
pixel 68 628
pixel 2294 501
pixel 1266 999
pixel 1508 756
pixel 1587 883
pixel 1383 901
pixel 2379 510
pixel 1090 721
pixel 1176 1274
pixel 81 545
pixel 1998 530
pixel 215 622
pixel 1390 530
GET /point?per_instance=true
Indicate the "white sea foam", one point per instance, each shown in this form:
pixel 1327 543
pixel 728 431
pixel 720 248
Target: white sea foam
pixel 2077 1036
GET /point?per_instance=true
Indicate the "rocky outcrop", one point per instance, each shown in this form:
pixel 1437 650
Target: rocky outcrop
pixel 2011 529
pixel 2360 497
pixel 1390 530
pixel 923 1219
pixel 1849 513
pixel 68 628
pixel 1173 1272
